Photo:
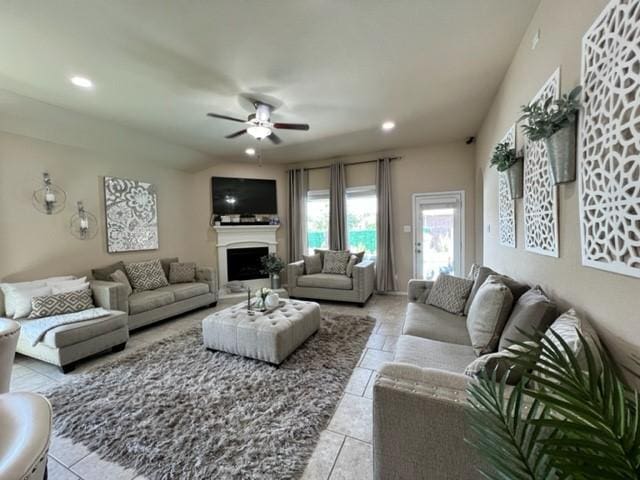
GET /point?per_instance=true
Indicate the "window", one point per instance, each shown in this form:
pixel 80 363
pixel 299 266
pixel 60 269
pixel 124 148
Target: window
pixel 362 206
pixel 317 220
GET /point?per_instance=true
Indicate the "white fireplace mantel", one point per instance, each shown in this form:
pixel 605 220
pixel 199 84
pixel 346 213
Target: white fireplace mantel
pixel 243 236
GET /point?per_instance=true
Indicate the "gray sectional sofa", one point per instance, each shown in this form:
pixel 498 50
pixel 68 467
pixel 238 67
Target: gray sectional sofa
pixel 419 398
pixel 145 308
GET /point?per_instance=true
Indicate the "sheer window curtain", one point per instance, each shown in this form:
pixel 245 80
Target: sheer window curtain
pixel 385 263
pixel 337 208
pixel 296 215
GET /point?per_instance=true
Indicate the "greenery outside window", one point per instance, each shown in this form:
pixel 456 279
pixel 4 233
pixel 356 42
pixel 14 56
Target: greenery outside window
pixel 317 219
pixel 362 207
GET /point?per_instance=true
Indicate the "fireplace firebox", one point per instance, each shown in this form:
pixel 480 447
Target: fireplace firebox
pixel 244 263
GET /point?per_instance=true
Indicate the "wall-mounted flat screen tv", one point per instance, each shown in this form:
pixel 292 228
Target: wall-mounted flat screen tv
pixel 240 196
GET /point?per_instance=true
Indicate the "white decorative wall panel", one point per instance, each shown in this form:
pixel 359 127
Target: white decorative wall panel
pixel 609 140
pixel 506 206
pixel 540 194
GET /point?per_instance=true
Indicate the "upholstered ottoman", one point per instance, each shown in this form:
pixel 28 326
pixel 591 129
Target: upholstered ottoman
pixel 270 337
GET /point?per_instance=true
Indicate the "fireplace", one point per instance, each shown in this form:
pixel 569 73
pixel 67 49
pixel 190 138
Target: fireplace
pixel 244 263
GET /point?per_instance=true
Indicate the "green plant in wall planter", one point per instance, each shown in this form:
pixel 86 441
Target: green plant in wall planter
pixel 508 161
pixel 554 122
pixel 571 417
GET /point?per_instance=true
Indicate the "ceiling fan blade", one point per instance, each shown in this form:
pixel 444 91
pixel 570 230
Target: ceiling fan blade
pixel 225 117
pixel 236 134
pixel 291 126
pixel 275 138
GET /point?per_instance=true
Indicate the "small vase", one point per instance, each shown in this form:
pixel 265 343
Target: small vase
pixel 561 150
pixel 275 281
pixel 515 175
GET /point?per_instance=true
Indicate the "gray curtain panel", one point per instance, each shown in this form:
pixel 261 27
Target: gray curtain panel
pixel 337 208
pixel 297 214
pixel 385 263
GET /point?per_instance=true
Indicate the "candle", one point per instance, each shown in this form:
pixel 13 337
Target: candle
pixel 49 197
pixel 84 224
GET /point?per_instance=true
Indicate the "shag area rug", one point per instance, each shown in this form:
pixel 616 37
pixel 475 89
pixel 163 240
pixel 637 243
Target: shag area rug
pixel 174 410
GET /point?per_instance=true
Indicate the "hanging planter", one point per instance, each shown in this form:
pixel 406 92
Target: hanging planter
pixel 508 161
pixel 554 122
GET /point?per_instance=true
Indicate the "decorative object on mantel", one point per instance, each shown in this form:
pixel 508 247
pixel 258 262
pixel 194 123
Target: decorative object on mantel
pixel 540 193
pixel 49 199
pixel 554 122
pixel 83 225
pixel 272 265
pixel 132 215
pixel 506 203
pixel 609 143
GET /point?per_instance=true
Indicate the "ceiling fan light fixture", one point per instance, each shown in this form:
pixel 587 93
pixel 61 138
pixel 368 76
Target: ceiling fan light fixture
pixel 259 132
pixel 388 125
pixel 250 151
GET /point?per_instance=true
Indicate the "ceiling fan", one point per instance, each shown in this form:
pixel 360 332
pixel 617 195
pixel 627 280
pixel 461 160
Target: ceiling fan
pixel 259 124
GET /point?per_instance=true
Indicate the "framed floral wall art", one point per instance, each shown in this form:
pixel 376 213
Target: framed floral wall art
pixel 131 215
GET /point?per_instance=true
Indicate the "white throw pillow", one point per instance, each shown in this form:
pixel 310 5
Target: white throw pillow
pixel 52 280
pixel 21 298
pixel 66 283
pixel 71 287
pixel 9 303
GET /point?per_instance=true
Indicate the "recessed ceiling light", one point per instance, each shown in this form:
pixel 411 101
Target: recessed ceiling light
pixel 388 125
pixel 82 82
pixel 250 151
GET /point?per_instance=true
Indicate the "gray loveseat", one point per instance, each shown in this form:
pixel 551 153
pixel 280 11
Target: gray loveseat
pixel 144 308
pixel 329 286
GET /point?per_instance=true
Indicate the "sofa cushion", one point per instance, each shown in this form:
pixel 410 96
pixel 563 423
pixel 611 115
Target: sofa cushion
pixel 500 364
pixel 182 291
pixel 435 324
pixel 182 272
pixel 104 273
pixel 426 353
pixel 143 301
pixel 488 315
pixel 335 262
pixel 61 303
pixel 353 261
pixel 72 333
pixel 166 264
pixel 478 274
pixel 147 275
pixel 326 280
pixel 312 264
pixel 450 293
pixel 18 298
pixel 120 277
pixel 533 312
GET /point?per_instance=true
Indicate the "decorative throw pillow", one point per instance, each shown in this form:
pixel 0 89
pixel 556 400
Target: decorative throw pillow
pixel 120 277
pixel 104 273
pixel 359 256
pixel 501 363
pixel 335 262
pixel 49 305
pixel 480 276
pixel 449 293
pixel 488 314
pixel 72 287
pixel 517 288
pixel 533 312
pixel 147 275
pixel 312 264
pixel 321 252
pixel 182 272
pixel 166 265
pixel 473 272
pixel 353 261
pixel 20 298
pixel 8 290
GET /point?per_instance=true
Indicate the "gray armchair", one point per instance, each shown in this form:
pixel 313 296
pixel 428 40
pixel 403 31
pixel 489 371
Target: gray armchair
pixel 327 286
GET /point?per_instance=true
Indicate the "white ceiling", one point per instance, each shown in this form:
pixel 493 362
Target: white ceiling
pixel 159 66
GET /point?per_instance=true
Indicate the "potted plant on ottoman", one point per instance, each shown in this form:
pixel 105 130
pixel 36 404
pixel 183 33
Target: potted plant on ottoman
pixel 554 121
pixel 508 161
pixel 272 264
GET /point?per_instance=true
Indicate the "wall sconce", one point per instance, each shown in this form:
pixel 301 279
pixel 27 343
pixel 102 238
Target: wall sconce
pixel 84 225
pixel 50 199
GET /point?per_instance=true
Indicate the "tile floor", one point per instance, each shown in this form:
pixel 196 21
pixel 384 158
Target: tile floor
pixel 344 448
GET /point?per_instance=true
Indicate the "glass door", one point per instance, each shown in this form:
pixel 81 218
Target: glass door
pixel 438 234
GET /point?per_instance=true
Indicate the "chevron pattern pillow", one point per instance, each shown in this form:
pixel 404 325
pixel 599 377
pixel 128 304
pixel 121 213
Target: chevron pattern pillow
pixel 450 293
pixel 147 275
pixel 58 304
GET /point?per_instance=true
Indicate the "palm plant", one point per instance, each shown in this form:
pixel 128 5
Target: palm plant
pixel 545 119
pixel 568 418
pixel 504 156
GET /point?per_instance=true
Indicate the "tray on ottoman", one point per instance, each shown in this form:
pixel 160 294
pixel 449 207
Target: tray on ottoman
pixel 270 336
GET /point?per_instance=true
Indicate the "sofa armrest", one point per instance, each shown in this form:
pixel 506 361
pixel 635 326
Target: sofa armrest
pixel 418 287
pixel 419 424
pixel 294 270
pixel 364 279
pixel 110 295
pixel 209 276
